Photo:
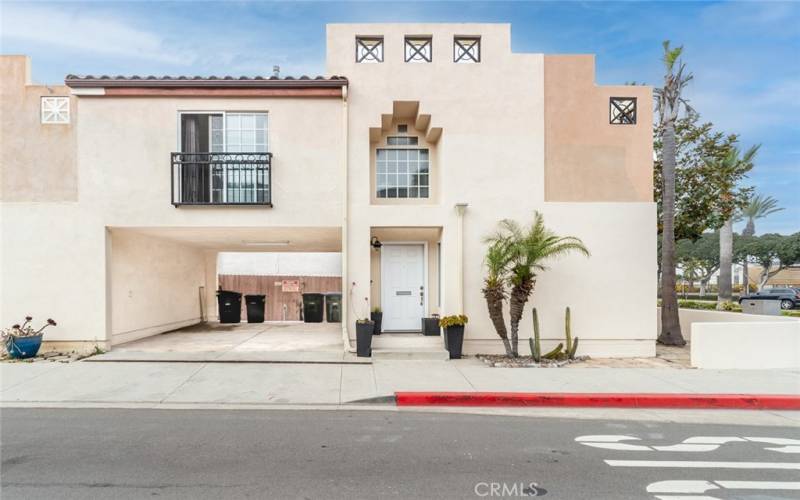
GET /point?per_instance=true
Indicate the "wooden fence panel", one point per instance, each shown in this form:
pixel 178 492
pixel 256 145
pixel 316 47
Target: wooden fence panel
pixel 281 306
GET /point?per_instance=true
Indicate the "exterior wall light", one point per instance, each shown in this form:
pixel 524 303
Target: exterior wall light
pixel 376 243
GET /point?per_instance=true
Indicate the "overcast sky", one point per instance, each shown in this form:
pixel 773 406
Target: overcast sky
pixel 745 55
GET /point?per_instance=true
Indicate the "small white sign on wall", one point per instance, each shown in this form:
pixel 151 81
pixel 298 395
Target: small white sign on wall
pixel 290 286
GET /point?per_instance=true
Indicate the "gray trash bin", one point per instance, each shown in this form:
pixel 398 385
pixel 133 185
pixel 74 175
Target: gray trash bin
pixel 757 305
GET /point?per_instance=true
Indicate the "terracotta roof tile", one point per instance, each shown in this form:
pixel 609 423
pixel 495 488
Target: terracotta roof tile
pixel 84 81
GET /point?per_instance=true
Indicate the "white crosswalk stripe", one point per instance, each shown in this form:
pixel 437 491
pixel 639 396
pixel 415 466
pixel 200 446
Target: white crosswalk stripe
pixel 699 489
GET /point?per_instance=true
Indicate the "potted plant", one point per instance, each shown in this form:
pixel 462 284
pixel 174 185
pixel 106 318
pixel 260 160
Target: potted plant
pixel 364 326
pixel 454 333
pixel 377 316
pixel 22 341
pixel 430 326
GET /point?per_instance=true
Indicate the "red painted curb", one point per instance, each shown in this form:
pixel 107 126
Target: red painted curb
pixel 601 400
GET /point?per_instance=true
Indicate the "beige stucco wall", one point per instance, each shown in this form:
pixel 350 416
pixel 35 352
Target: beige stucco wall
pixel 126 171
pixel 587 158
pixel 52 264
pixel 491 155
pixel 489 124
pixel 37 161
pixel 155 285
pixel 54 256
pixel 422 143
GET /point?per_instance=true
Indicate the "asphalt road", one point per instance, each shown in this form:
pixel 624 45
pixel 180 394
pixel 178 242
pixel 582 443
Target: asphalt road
pixel 196 454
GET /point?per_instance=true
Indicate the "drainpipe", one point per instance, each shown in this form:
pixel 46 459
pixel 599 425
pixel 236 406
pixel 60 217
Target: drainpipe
pixel 460 209
pixel 345 222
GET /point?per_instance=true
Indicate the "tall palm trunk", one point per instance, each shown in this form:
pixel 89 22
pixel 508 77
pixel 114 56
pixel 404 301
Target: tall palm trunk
pixel 670 321
pixel 724 284
pixel 749 230
pixel 516 302
pixel 494 296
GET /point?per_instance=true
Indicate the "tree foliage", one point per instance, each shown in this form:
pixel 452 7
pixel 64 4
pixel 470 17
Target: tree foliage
pixel 772 252
pixel 516 254
pixel 705 195
pixel 758 207
pixel 702 254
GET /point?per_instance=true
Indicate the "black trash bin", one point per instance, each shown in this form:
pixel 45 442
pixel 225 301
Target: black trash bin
pixel 333 307
pixel 313 305
pixel 230 306
pixel 255 308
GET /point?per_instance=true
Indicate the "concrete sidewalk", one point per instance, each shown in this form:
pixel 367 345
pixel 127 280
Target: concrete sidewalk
pixel 336 384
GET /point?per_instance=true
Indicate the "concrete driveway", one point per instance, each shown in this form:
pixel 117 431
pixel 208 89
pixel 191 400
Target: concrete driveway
pixel 254 342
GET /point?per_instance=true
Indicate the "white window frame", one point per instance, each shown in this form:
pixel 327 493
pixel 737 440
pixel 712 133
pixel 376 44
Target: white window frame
pixel 224 115
pixel 51 116
pixel 406 186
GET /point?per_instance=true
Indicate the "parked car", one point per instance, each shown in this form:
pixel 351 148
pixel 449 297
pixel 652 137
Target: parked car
pixel 789 297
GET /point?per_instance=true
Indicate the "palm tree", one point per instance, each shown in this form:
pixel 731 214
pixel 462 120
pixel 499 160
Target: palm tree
pixel 497 258
pixel 727 167
pixel 669 101
pixel 528 249
pixel 758 207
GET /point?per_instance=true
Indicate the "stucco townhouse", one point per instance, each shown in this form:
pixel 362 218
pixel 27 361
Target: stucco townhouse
pixel 118 192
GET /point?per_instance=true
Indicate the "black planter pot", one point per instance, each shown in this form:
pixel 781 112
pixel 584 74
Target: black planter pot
pixel 454 340
pixel 377 318
pixel 364 339
pixel 430 326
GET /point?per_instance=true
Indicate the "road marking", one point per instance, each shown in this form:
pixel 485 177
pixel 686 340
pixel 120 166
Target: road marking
pixel 686 497
pixel 771 440
pixel 702 486
pixel 785 449
pixel 692 444
pixel 759 485
pixel 619 446
pixel 714 439
pixel 703 465
pixel 687 447
pixel 608 438
pixel 681 487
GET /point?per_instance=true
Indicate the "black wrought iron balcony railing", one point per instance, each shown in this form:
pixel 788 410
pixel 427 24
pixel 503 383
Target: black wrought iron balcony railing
pixel 222 178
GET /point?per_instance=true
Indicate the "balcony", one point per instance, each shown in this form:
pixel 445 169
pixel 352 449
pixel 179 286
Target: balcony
pixel 219 178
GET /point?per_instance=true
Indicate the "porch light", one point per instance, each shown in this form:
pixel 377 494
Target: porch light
pixel 376 243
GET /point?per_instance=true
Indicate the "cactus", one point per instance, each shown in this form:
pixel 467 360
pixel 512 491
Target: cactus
pixel 554 353
pixel 572 345
pixel 574 348
pixel 536 347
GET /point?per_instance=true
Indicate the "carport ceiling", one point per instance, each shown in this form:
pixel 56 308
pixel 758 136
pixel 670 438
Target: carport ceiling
pixel 248 239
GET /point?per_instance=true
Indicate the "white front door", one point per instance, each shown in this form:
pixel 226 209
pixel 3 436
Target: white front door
pixel 402 286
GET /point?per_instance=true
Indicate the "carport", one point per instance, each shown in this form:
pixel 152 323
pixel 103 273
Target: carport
pixel 161 299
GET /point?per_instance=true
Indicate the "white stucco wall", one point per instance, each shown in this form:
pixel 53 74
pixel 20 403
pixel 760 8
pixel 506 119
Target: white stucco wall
pixel 746 345
pixel 688 317
pixel 281 263
pixel 155 285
